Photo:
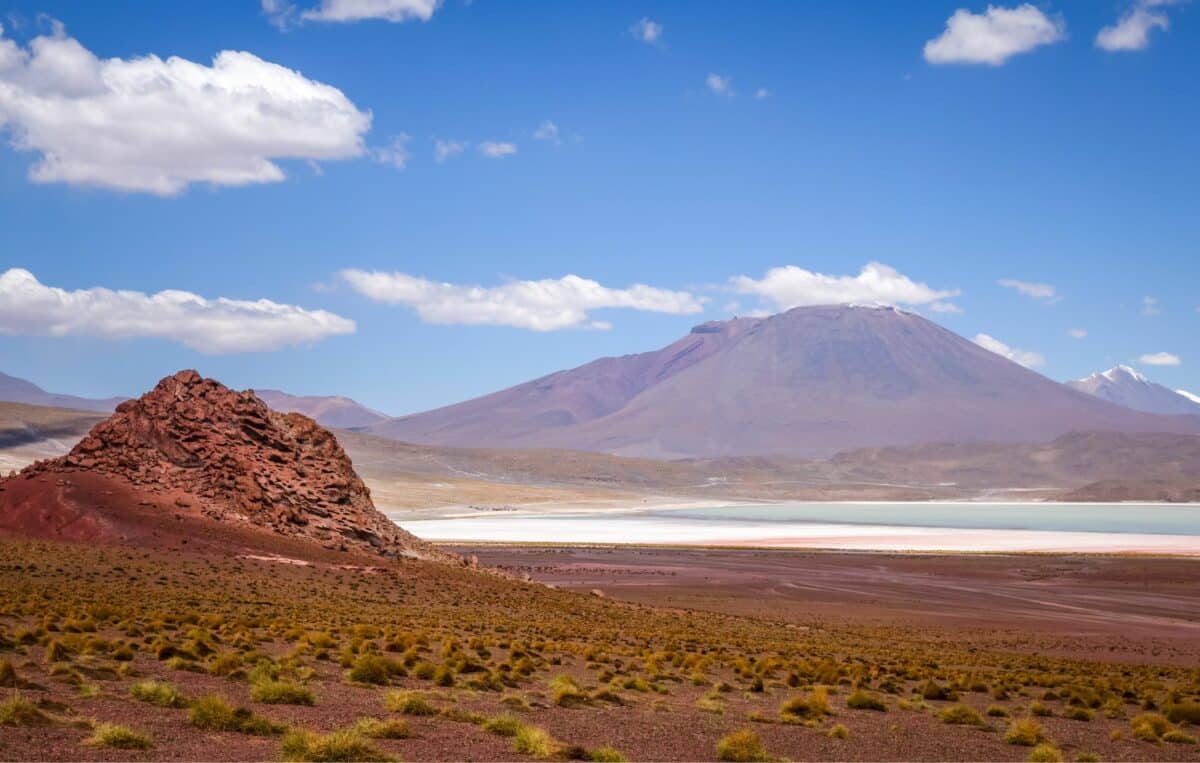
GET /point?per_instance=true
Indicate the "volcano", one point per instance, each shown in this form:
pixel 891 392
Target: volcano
pixel 809 382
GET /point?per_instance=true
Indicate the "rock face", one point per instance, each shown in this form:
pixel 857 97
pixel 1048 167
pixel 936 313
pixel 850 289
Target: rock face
pixel 228 455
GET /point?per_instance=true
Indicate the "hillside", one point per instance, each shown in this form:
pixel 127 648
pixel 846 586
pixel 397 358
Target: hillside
pixel 1124 386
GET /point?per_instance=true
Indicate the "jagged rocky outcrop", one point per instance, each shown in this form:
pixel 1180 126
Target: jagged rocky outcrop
pixel 227 455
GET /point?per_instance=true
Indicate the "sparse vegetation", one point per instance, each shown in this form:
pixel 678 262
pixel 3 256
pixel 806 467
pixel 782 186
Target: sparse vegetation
pixel 1026 732
pixel 742 746
pixel 158 693
pixel 864 700
pixel 961 715
pixel 118 738
pixel 214 713
pixel 347 746
pixel 409 703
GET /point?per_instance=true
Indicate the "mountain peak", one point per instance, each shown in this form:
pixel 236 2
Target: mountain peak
pixel 1127 387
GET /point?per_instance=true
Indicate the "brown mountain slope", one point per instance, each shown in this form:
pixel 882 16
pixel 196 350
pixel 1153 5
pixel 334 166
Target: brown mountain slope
pixel 809 382
pixel 213 453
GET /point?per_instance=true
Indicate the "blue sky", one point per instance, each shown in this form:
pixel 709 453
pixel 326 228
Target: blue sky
pixel 1016 148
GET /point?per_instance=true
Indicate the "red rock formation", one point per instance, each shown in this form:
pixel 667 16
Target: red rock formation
pixel 227 455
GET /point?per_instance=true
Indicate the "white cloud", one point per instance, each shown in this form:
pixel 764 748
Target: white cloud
pixel 547 131
pixel 1189 395
pixel 444 149
pixel 647 31
pixel 1035 290
pixel 994 36
pixel 214 326
pixel 762 93
pixel 344 11
pixel 992 344
pixel 1132 30
pixel 1077 333
pixel 719 85
pixel 394 153
pixel 153 125
pixel 1150 306
pixel 790 286
pixel 546 305
pixel 1160 359
pixel 497 150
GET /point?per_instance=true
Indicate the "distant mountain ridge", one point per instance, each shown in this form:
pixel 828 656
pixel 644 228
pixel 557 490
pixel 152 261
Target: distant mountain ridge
pixel 1125 386
pixel 331 411
pixel 15 390
pixel 806 383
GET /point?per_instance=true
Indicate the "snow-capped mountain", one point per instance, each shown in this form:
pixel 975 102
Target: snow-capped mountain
pixel 1189 395
pixel 1125 386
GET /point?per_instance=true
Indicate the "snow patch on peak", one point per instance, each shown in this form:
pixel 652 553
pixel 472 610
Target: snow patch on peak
pixel 1189 395
pixel 1124 370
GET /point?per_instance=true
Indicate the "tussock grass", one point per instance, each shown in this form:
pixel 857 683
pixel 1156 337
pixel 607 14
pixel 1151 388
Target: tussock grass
pixel 961 715
pixel 531 740
pixel 158 693
pixel 118 738
pixel 408 703
pixel 606 755
pixel 1149 727
pixel 1045 753
pixel 810 707
pixel 18 711
pixel 272 692
pixel 1025 732
pixel 865 700
pixel 214 713
pixel 742 746
pixel 383 728
pixel 839 731
pixel 346 746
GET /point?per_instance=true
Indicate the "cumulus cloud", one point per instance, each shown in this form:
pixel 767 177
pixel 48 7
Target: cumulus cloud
pixel 762 93
pixel 791 286
pixel 546 305
pixel 1043 291
pixel 647 31
pixel 719 85
pixel 214 326
pixel 1077 333
pixel 1150 305
pixel 547 131
pixel 994 36
pixel 153 125
pixel 497 149
pixel 444 149
pixel 283 13
pixel 1132 30
pixel 1160 359
pixel 992 344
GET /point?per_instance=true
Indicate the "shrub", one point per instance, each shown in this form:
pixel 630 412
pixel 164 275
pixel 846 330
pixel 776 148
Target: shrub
pixel 838 732
pixel 531 740
pixel 377 728
pixel 1178 712
pixel 1087 757
pixel 214 713
pixel 742 747
pixel 565 692
pixel 605 755
pixel 282 693
pixel 864 700
pixel 934 692
pixel 225 664
pixel 117 737
pixel 18 711
pixel 371 669
pixel 1045 753
pixel 346 746
pixel 814 705
pixel 408 703
pixel 1178 737
pixel 960 715
pixel 1079 714
pixel 1026 732
pixel 997 711
pixel 1149 726
pixel 503 725
pixel 158 693
pixel 1040 710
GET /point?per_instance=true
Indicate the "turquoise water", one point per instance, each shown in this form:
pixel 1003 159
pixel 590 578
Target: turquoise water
pixel 1183 519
